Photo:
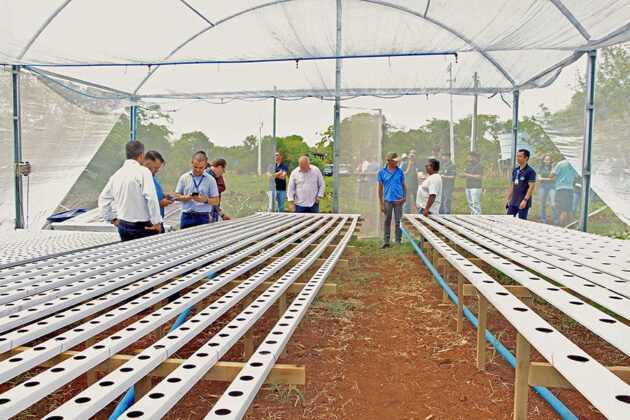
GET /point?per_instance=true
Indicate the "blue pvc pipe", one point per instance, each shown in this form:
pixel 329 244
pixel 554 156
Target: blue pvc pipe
pixel 128 398
pixel 123 404
pixel 557 405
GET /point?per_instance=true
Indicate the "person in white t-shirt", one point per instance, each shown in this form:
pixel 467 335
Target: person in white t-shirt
pixel 430 191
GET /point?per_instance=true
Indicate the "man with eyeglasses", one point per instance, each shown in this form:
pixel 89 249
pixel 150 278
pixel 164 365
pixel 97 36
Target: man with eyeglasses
pixel 277 174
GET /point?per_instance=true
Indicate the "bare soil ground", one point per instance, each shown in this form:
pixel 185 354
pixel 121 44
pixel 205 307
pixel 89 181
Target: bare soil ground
pixel 384 346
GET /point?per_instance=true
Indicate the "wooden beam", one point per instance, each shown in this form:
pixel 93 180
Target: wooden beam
pixel 460 301
pixel 544 374
pixel 521 379
pixel 482 313
pixel 221 371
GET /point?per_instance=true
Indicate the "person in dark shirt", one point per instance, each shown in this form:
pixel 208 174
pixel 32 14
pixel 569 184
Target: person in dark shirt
pixel 411 175
pixel 217 169
pixel 277 173
pixel 474 176
pixel 448 173
pixel 522 186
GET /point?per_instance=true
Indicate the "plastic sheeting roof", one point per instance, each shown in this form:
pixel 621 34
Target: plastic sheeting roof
pixel 138 48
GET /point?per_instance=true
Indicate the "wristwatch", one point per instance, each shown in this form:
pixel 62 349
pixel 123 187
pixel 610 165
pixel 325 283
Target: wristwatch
pixel 114 220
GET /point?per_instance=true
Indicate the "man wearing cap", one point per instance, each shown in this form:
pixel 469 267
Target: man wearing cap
pixel 392 193
pixel 411 177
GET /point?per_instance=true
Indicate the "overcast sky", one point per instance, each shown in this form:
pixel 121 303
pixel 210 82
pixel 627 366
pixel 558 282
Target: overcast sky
pixel 229 124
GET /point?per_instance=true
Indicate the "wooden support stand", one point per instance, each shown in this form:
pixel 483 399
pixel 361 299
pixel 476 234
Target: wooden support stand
pixel 521 380
pixel 481 331
pixel 460 301
pixel 221 371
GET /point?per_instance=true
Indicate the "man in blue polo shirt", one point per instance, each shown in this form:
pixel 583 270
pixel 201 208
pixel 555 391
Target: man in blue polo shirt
pixel 198 191
pixel 392 193
pixel 522 187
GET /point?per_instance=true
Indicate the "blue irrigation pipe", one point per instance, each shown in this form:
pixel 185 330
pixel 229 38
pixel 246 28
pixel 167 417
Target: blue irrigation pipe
pixel 557 405
pixel 126 401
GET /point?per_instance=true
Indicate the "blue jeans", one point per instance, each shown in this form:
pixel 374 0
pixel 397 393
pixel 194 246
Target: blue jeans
pixel 129 231
pixel 447 199
pixel 473 195
pixel 313 209
pixel 280 197
pixel 514 210
pixel 392 207
pixel 190 220
pixel 548 189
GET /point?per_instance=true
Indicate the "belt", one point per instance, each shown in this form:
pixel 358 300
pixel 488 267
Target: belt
pixel 135 224
pixel 194 213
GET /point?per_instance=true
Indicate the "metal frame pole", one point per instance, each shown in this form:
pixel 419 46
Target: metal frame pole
pixel 335 206
pixel 473 134
pixel 17 148
pixel 275 149
pixel 133 115
pixel 588 139
pixel 515 96
pixel 450 128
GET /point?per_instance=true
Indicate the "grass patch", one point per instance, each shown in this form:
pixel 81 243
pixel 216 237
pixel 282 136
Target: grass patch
pixel 336 307
pixel 285 395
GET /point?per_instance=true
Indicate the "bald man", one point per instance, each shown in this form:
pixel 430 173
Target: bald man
pixel 306 187
pixel 198 191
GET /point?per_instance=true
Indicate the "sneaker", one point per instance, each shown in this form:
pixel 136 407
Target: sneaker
pixel 384 245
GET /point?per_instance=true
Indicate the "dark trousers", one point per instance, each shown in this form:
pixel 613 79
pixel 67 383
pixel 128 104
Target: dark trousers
pixel 392 207
pixel 447 199
pixel 313 209
pixel 193 219
pixel 514 210
pixel 129 231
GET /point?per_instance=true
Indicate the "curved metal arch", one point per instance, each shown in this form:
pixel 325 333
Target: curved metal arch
pixel 41 28
pixel 378 2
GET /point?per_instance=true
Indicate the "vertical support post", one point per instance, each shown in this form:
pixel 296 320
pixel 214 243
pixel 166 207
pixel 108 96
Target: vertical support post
pixel 335 208
pixel 460 302
pixel 249 335
pixel 17 148
pixel 482 313
pixel 275 149
pixel 142 387
pixel 260 149
pixel 473 130
pixel 133 118
pixel 379 161
pixel 521 380
pixel 450 128
pixel 515 96
pixel 588 139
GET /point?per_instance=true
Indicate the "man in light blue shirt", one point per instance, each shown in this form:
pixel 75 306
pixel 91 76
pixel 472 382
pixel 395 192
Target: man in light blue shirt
pixel 392 194
pixel 564 175
pixel 198 191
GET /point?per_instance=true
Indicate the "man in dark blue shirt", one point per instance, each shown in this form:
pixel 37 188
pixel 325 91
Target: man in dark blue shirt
pixel 277 174
pixel 392 194
pixel 522 187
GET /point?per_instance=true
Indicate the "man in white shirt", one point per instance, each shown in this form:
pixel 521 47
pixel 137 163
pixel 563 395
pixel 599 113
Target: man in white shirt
pixel 198 191
pixel 430 191
pixel 132 190
pixel 306 187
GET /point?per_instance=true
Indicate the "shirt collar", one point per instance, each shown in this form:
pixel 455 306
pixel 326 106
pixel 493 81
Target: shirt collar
pixel 204 173
pixel 131 162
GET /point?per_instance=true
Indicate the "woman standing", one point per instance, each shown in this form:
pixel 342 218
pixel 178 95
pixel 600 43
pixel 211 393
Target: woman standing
pixel 546 189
